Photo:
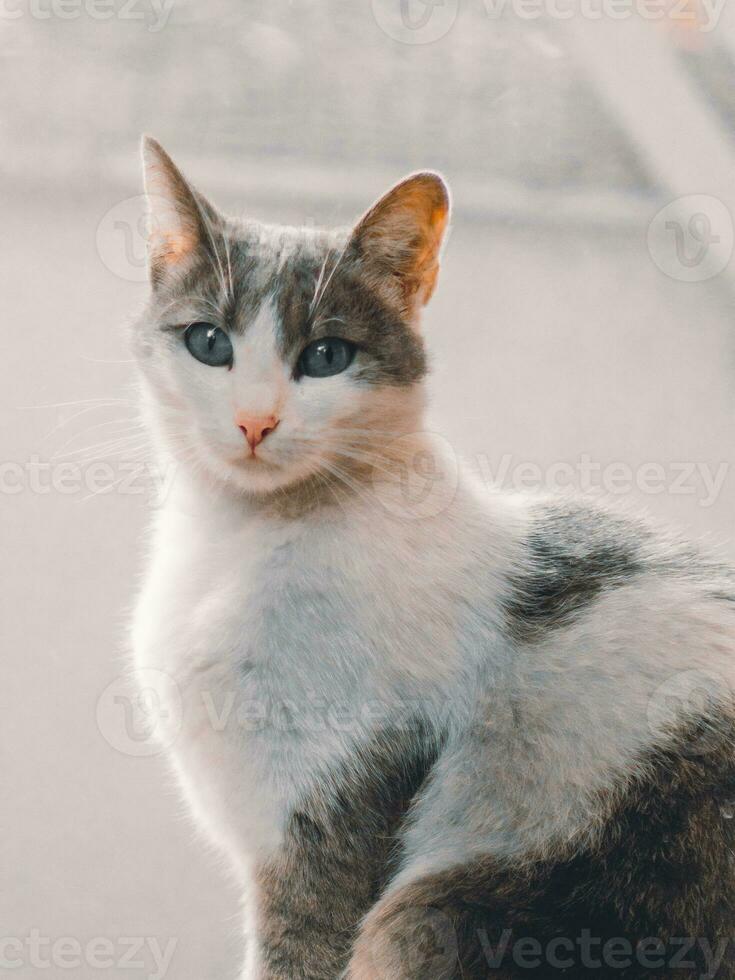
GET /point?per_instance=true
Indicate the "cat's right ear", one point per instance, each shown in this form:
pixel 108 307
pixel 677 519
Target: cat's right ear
pixel 180 219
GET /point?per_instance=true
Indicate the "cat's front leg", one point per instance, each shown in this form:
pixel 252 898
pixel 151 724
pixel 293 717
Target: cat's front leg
pixel 305 928
pixel 312 894
pixel 335 859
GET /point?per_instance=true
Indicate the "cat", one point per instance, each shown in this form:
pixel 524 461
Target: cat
pixel 437 731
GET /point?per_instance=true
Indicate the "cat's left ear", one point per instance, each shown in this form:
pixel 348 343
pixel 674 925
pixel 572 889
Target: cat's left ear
pixel 398 242
pixel 180 219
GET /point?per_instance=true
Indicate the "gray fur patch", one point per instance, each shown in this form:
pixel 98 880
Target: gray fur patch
pixel 574 552
pixel 341 847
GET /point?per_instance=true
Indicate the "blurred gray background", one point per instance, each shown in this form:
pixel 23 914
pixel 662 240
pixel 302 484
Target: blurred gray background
pixel 582 333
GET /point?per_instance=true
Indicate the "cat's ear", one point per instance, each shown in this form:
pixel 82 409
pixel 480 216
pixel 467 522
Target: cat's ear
pixel 398 241
pixel 180 219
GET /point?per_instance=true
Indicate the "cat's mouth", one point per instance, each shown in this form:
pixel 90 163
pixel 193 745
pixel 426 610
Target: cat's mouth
pixel 254 460
pixel 271 468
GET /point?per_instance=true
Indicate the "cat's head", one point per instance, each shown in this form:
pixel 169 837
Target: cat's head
pixel 272 354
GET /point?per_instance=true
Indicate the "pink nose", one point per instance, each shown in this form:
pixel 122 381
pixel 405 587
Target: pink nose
pixel 256 429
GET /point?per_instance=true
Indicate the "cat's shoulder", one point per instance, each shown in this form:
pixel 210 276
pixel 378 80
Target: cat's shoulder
pixel 576 549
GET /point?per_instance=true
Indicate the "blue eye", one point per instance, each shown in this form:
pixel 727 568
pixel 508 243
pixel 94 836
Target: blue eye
pixel 326 357
pixel 209 344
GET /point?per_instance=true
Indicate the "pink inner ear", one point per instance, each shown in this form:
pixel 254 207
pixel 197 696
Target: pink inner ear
pixel 172 247
pixel 174 210
pixel 421 271
pixel 172 237
pixel 410 221
pixel 403 233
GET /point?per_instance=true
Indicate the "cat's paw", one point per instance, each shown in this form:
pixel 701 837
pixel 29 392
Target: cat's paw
pixel 402 942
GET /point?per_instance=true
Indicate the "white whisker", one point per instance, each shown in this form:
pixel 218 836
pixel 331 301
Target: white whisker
pixel 132 424
pixel 82 401
pixel 320 279
pixel 318 298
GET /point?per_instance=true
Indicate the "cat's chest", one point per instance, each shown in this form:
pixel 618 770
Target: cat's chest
pixel 271 606
pixel 284 644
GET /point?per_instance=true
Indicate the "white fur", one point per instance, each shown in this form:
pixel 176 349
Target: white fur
pixel 379 633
